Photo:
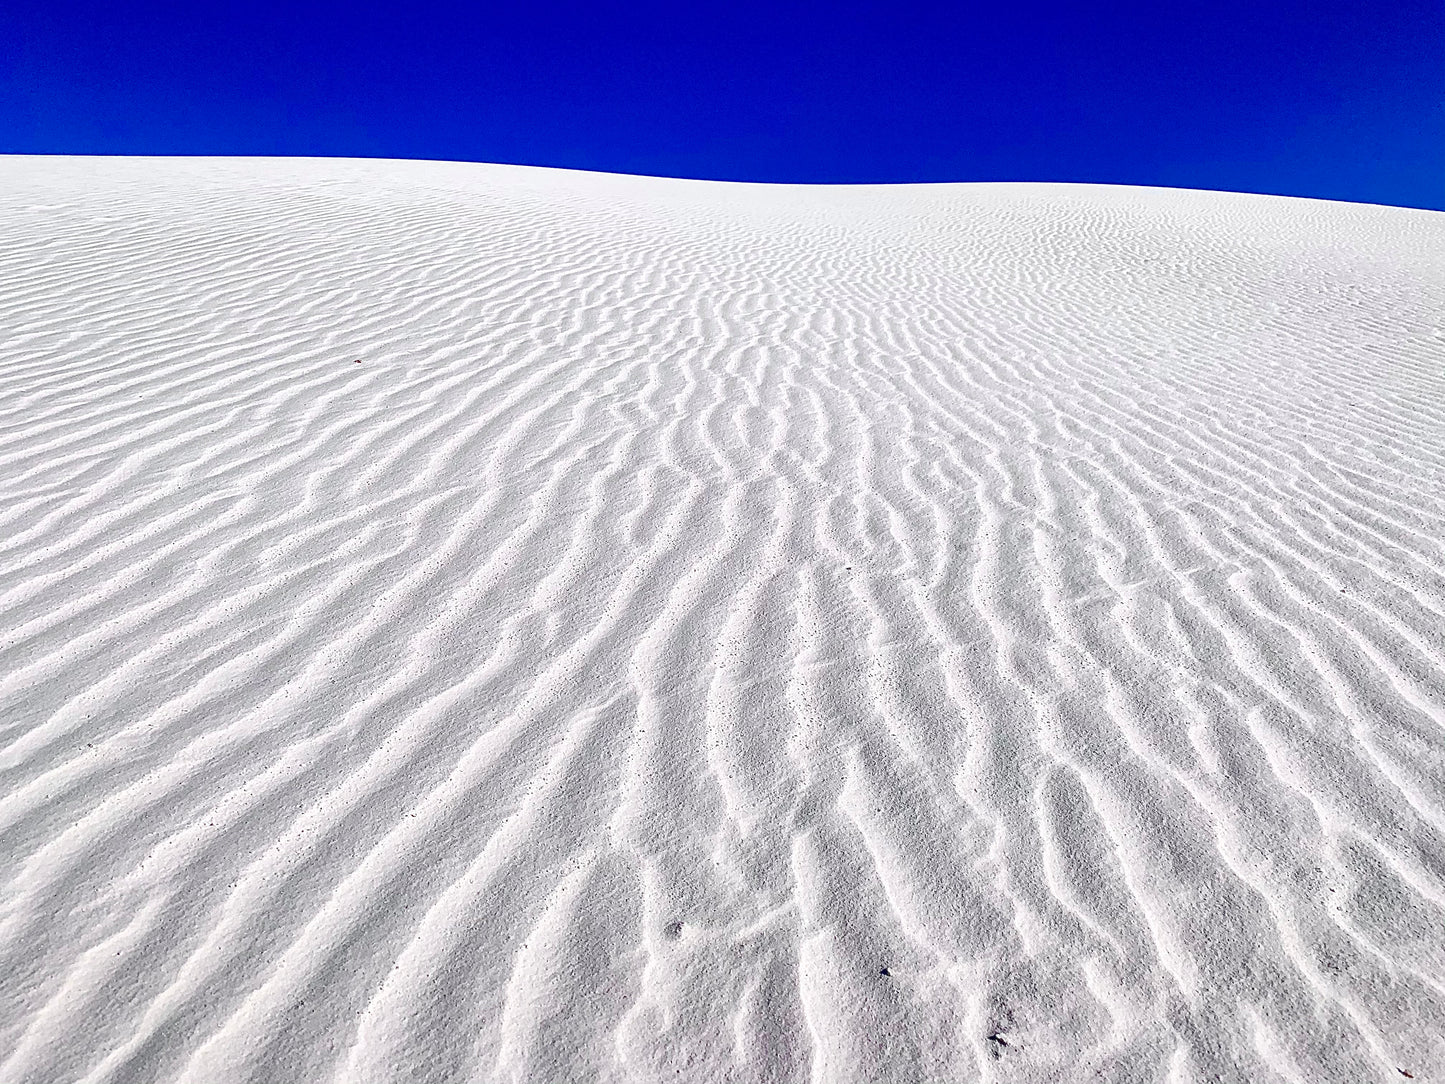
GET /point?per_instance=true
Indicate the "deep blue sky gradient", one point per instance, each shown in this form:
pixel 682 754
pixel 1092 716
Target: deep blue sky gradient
pixel 1343 100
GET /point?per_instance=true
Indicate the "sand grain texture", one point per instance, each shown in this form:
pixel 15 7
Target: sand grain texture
pixel 468 623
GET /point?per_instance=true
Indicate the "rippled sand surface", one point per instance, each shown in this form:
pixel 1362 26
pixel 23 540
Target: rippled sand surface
pixel 470 623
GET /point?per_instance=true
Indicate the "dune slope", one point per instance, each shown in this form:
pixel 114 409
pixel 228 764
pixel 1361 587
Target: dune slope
pixel 482 623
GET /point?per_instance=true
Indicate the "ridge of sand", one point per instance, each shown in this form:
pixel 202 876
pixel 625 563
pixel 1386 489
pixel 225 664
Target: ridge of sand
pixel 716 632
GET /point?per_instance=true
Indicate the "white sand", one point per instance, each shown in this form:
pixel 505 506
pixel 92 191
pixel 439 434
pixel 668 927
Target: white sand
pixel 700 598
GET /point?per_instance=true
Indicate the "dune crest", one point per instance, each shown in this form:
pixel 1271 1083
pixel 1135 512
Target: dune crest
pixel 470 622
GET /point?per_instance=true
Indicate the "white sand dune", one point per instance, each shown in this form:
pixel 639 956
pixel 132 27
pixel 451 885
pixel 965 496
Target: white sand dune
pixel 466 623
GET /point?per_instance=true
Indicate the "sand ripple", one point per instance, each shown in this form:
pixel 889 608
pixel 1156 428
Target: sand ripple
pixel 481 623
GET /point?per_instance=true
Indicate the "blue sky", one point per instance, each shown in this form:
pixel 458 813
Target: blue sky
pixel 1331 99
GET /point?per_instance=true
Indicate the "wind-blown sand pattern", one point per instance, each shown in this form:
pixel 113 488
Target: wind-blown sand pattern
pixel 481 623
